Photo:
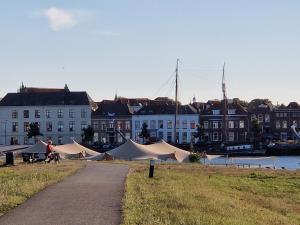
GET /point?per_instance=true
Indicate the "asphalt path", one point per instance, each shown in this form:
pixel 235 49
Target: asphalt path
pixel 92 196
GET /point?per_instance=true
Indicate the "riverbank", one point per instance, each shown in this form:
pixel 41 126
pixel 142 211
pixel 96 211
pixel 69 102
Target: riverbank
pixel 20 182
pixel 196 194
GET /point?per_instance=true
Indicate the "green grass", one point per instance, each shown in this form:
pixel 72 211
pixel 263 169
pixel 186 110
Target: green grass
pixel 20 182
pixel 194 194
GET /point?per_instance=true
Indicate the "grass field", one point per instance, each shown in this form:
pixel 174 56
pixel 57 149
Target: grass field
pixel 195 194
pixel 18 183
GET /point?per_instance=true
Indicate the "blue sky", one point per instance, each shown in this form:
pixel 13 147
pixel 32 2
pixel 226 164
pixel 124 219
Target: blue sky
pixel 131 46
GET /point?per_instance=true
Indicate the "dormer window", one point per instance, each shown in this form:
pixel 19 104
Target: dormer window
pixel 216 112
pixel 231 111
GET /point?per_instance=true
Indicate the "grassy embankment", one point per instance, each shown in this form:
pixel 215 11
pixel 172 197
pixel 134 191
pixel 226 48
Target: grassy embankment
pixel 195 194
pixel 18 183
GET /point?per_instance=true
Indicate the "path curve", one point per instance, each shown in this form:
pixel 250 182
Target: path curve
pixel 92 196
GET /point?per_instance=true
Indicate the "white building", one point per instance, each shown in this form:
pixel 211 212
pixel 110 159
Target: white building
pixel 60 114
pixel 160 120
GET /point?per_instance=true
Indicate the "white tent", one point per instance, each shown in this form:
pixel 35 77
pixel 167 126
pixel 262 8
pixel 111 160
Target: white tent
pixel 134 151
pixel 163 147
pixel 74 150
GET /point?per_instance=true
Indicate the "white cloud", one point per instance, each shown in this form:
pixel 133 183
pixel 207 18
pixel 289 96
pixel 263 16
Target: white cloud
pixel 60 19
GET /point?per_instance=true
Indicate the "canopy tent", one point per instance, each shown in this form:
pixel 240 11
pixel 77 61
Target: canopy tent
pixel 163 147
pixel 134 151
pixel 40 147
pixel 74 150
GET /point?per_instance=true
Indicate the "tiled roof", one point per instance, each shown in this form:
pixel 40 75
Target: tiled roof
pixel 218 105
pixel 46 98
pixel 166 109
pixel 112 108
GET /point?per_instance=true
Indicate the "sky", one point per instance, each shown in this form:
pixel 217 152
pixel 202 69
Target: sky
pixel 131 46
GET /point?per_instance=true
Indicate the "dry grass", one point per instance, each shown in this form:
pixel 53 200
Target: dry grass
pixel 18 183
pixel 195 194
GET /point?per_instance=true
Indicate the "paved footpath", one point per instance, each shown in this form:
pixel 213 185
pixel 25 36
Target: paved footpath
pixel 92 196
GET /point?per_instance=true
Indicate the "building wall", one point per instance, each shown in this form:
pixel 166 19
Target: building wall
pixel 102 126
pixel 7 121
pixel 166 133
pixel 237 128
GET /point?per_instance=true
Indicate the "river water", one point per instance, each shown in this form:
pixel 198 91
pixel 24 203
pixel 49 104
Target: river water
pixel 279 162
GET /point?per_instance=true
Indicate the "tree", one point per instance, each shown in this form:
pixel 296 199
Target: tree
pixel 34 131
pixel 144 133
pixel 88 134
pixel 255 130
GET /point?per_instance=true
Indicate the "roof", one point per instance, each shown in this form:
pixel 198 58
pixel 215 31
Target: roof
pixel 218 105
pixel 166 109
pixel 112 108
pixel 46 98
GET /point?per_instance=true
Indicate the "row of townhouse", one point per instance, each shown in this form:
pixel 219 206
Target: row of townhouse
pixel 274 121
pixel 63 114
pixel 125 117
pixel 60 114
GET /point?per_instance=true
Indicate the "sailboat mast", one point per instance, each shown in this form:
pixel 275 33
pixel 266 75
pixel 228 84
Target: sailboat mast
pixel 225 106
pixel 176 101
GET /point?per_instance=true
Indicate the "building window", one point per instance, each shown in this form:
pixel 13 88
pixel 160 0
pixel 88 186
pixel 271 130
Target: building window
pixel 283 136
pixel 253 117
pixel 295 123
pixel 48 126
pixel 59 140
pixel 278 126
pixel 37 114
pixel 260 118
pixel 119 138
pixel 26 114
pixel 83 125
pixel 145 122
pixel 26 127
pixel 48 114
pixel 216 112
pixel 242 124
pixel 60 113
pixel 184 124
pixel 206 125
pixel 193 124
pixel 15 127
pixel 215 124
pixel 71 113
pixel 103 126
pixel 119 125
pixel 26 140
pixel 83 113
pixel 284 124
pixel 127 125
pixel 160 124
pixel 215 136
pixel 169 124
pixel 60 126
pixel 184 137
pixel 72 126
pixel 231 111
pixel 96 125
pixel 14 114
pixel 152 124
pixel 137 125
pixel 161 135
pixel 230 124
pixel 169 136
pixel 231 136
pixel 267 118
pixel 177 124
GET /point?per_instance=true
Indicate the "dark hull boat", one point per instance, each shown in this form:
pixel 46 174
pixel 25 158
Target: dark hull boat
pixel 280 149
